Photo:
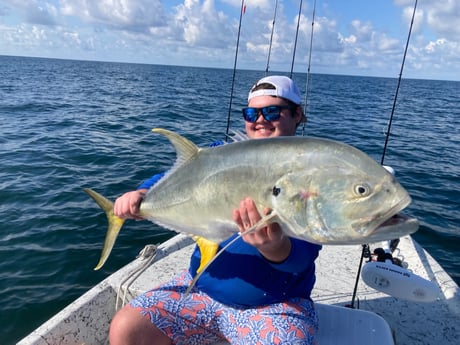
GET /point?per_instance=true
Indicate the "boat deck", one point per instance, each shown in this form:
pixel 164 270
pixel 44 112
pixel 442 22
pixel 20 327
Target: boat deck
pixel 414 323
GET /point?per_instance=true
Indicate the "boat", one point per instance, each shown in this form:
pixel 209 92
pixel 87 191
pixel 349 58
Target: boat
pixel 377 318
pixel 409 299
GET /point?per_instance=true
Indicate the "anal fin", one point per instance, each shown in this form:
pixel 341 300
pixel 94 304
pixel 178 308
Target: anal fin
pixel 208 250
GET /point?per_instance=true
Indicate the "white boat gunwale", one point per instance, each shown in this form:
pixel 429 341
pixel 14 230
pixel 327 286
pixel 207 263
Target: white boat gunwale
pixel 87 319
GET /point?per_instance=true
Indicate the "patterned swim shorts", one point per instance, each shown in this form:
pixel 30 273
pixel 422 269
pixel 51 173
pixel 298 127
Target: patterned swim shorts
pixel 196 318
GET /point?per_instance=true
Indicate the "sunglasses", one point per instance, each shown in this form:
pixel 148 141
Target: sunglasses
pixel 270 113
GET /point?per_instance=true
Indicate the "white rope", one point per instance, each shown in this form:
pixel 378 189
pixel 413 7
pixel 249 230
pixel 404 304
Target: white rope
pixel 147 254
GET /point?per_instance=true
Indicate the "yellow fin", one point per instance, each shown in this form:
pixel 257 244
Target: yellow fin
pixel 208 250
pixel 205 264
pixel 185 149
pixel 115 225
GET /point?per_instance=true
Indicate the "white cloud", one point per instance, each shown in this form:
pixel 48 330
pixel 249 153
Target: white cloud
pixel 443 18
pixel 418 24
pixel 201 25
pixel 432 46
pixel 204 32
pixel 34 11
pixel 251 4
pixel 39 34
pixel 440 16
pixel 435 44
pixel 364 31
pixel 136 15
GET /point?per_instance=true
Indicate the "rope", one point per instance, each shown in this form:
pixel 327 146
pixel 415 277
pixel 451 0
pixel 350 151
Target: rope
pixel 366 246
pixel 149 253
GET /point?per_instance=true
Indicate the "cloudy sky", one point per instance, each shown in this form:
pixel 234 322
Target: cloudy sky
pixel 357 37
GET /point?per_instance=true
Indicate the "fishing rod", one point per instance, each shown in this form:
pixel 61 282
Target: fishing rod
pixel 365 250
pixel 397 87
pixel 242 10
pixel 271 38
pixel 307 85
pixel 296 36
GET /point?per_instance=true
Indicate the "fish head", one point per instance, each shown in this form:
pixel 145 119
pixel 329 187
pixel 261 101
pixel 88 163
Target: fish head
pixel 341 204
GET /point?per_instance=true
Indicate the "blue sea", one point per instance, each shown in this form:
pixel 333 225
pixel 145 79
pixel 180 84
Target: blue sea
pixel 66 125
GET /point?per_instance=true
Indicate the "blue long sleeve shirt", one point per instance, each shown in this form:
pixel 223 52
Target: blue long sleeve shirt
pixel 241 276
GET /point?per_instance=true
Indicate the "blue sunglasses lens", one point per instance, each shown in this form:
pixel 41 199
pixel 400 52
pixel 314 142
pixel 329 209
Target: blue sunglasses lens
pixel 250 114
pixel 270 113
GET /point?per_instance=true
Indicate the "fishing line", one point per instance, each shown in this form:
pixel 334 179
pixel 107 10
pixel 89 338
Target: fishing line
pixel 271 38
pixel 296 36
pixel 307 86
pixel 399 83
pixel 366 246
pixel 242 10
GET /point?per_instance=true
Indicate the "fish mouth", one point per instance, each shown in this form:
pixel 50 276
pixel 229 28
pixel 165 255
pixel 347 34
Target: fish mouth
pixel 395 220
pixel 382 218
pixel 396 226
pixel 392 224
pixel 397 208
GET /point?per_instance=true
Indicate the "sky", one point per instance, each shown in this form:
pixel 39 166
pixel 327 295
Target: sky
pixel 351 37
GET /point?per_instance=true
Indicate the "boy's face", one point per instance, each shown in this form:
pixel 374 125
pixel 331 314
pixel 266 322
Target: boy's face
pixel 284 126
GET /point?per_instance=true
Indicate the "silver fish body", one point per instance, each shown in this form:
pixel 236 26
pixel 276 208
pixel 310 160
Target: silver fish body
pixel 319 190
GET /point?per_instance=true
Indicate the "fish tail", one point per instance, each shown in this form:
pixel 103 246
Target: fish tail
pixel 115 224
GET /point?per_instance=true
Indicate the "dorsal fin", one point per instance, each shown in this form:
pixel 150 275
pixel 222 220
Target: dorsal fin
pixel 185 149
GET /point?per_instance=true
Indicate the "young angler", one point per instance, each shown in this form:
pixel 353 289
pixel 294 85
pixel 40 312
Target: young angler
pixel 255 292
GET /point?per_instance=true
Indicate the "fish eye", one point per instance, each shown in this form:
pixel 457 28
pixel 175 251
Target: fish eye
pixel 276 191
pixel 362 189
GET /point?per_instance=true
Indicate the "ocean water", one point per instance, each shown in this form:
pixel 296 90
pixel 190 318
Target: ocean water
pixel 66 125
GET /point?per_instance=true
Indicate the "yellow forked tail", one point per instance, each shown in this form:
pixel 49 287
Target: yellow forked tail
pixel 115 224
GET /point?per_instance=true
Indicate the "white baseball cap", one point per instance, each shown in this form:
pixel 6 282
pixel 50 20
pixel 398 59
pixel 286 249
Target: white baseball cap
pixel 283 87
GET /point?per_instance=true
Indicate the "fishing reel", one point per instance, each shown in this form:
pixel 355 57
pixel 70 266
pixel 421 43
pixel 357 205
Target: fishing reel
pixel 390 275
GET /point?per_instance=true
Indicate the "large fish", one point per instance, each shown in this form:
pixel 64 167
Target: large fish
pixel 319 190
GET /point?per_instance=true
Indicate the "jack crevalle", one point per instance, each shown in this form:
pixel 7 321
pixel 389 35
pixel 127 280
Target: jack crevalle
pixel 319 190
